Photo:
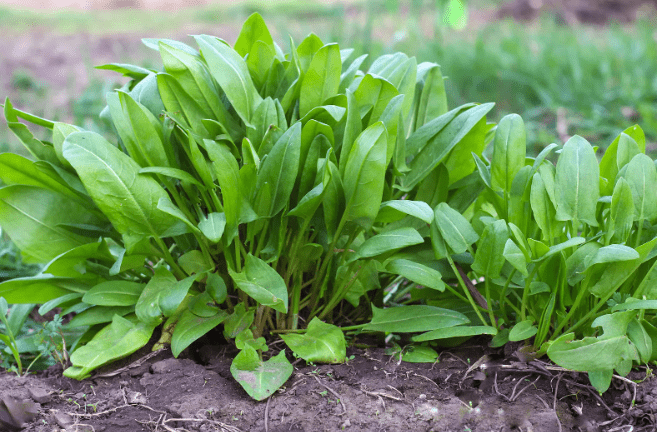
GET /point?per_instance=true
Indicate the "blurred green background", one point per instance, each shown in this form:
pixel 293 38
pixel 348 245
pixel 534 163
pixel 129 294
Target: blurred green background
pixel 567 66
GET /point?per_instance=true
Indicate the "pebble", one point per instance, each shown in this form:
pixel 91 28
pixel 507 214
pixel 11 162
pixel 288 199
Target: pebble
pixel 39 395
pixel 62 419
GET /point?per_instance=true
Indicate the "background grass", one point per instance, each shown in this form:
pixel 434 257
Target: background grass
pixel 593 81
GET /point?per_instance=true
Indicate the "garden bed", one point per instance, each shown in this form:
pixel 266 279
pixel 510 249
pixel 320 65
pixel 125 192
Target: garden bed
pixel 471 387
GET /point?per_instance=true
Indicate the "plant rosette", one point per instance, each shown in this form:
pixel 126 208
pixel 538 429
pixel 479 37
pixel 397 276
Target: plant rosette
pixel 249 188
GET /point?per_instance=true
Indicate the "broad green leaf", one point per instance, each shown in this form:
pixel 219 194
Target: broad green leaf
pixel 509 151
pixel 240 319
pixel 401 72
pixel 522 331
pixel 614 253
pixel 440 144
pixel 279 170
pixel 489 258
pixel 622 212
pixel 431 100
pixel 226 169
pixel 365 175
pixel 261 282
pixel 641 339
pixel 40 288
pixel 322 343
pixel 627 149
pixel 231 73
pixel 418 273
pixel 202 305
pixel 40 150
pixel 191 327
pixel 161 296
pixel 373 96
pixel 16 169
pixel 213 226
pixel 642 178
pixel 113 181
pixel 119 339
pixel 543 209
pixel 389 241
pixel 413 318
pixel 353 128
pixel 322 79
pixel 33 218
pixel 454 228
pixel 609 163
pixel 194 262
pixel 577 182
pixel 173 173
pixel 589 354
pixel 167 206
pixel 114 293
pixel 347 77
pixel 460 162
pixel 215 286
pixel 99 315
pixel 575 241
pixel 260 379
pixel 601 379
pixel 127 70
pixel 419 354
pixel 254 29
pixel 333 203
pixel 452 332
pixel 514 255
pixel 391 211
pixel 635 305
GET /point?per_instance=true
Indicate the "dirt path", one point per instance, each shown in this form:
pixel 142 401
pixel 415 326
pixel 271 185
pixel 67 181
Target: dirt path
pixel 464 391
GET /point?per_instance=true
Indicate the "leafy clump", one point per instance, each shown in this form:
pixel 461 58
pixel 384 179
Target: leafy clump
pixel 247 187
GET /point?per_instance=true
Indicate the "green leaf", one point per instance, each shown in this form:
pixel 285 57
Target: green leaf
pixel 522 331
pixel 413 318
pixel 113 181
pixel 99 315
pixel 260 379
pixel 117 340
pixel 641 339
pixel 452 332
pixel 389 241
pixel 609 163
pixel 589 354
pixel 261 282
pixel 577 182
pixel 322 343
pixel 194 262
pixel 614 253
pixel 601 379
pixel 622 211
pixel 173 173
pixel 322 79
pixel 642 178
pixel 240 319
pixel 279 170
pixel 391 211
pixel 40 288
pixel 514 255
pixel 114 293
pixel 365 175
pixel 454 228
pixel 232 74
pixel 430 95
pixel 33 218
pixel 489 258
pixel 418 273
pixel 226 169
pixel 253 30
pixel 439 145
pixel 213 226
pixel 509 151
pixel 167 206
pixel 161 296
pixel 191 327
pixel 419 354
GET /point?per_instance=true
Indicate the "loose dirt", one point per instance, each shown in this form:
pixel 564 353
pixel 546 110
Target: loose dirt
pixel 470 388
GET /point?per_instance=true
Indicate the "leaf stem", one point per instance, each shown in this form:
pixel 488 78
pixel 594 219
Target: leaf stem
pixel 465 289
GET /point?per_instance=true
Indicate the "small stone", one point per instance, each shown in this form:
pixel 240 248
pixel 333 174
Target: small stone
pixel 39 395
pixel 62 419
pixel 80 428
pixel 136 398
pixel 165 366
pixel 345 424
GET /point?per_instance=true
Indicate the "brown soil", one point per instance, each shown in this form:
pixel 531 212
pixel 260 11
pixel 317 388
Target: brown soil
pixel 470 388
